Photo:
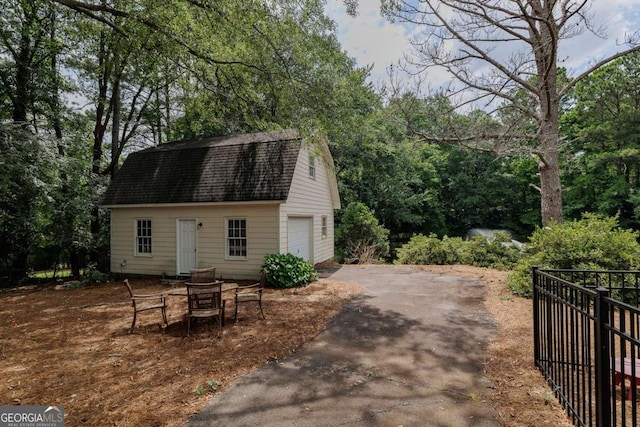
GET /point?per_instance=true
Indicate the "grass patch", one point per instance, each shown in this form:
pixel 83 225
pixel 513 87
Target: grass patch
pixel 52 274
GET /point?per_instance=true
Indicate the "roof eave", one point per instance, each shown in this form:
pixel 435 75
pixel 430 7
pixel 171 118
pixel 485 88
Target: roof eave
pixel 192 204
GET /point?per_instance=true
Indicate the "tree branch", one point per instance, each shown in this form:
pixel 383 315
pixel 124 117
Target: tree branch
pixel 90 9
pixel 482 53
pixel 595 67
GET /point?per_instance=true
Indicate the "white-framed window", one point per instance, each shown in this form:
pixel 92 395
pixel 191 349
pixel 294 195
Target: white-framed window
pixel 143 237
pixel 324 226
pixel 312 167
pixel 236 238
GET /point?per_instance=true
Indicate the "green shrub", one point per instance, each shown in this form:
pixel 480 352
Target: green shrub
pixel 359 236
pixel 92 276
pixel 288 271
pixel 428 250
pixel 453 250
pixel 592 243
pixel 497 252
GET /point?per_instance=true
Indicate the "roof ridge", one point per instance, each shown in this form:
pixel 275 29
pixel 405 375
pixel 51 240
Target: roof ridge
pixel 229 140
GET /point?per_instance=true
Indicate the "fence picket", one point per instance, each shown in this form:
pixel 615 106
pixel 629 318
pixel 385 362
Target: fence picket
pixel 587 343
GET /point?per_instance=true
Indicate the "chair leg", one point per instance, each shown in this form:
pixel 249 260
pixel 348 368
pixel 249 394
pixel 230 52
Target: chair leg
pixel 164 319
pixel 133 324
pixel 221 317
pixel 235 316
pixel 188 325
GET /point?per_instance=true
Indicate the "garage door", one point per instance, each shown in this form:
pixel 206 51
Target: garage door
pixel 300 237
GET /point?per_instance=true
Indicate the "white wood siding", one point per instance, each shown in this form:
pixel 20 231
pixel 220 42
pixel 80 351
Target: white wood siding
pixel 309 197
pixel 262 238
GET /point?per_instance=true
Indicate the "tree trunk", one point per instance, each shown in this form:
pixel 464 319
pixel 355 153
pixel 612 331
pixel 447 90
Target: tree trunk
pixel 545 52
pixel 550 188
pixel 98 138
pixel 23 79
pixel 21 101
pixel 115 128
pixel 549 165
pixel 75 259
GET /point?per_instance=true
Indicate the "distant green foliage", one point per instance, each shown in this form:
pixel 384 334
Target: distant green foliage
pixel 288 271
pixel 481 252
pixel 93 275
pixel 592 243
pixel 359 236
pixel 602 124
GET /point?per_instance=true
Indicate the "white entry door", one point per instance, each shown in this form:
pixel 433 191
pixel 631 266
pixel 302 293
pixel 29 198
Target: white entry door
pixel 187 251
pixel 299 231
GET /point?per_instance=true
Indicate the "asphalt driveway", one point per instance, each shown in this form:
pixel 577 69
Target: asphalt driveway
pixel 407 352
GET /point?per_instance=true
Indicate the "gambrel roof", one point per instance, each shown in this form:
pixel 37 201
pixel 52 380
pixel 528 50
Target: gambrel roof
pixel 249 167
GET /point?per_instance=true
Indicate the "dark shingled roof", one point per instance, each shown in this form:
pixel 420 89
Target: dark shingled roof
pixel 249 167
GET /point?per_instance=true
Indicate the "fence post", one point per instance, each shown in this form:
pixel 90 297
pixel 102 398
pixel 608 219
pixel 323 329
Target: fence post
pixel 603 361
pixel 536 317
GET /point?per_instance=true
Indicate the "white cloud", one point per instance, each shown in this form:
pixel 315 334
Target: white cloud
pixel 369 38
pixel 616 18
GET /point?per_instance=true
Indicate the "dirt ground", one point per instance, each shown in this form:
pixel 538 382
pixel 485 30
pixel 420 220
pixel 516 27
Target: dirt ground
pixel 72 347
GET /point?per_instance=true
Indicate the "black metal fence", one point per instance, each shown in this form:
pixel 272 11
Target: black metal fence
pixel 587 342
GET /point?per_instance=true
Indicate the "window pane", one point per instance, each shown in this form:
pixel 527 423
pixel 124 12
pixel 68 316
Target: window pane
pixel 312 167
pixel 143 236
pixel 237 237
pixel 324 226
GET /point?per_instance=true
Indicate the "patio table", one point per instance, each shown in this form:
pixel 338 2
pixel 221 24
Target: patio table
pixel 182 292
pixel 630 369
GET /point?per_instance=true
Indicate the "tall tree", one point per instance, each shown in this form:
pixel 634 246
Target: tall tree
pixel 30 86
pixel 28 171
pixel 603 127
pixel 26 51
pixel 494 49
pixel 116 69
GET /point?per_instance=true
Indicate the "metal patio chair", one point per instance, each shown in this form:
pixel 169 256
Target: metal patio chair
pixel 251 293
pixel 141 302
pixel 205 301
pixel 200 275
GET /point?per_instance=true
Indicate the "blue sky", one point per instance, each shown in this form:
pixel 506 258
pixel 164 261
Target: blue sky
pixel 371 39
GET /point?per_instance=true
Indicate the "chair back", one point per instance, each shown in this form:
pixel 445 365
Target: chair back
pixel 251 293
pixel 146 302
pixel 203 275
pixel 126 282
pixel 263 278
pixel 204 297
